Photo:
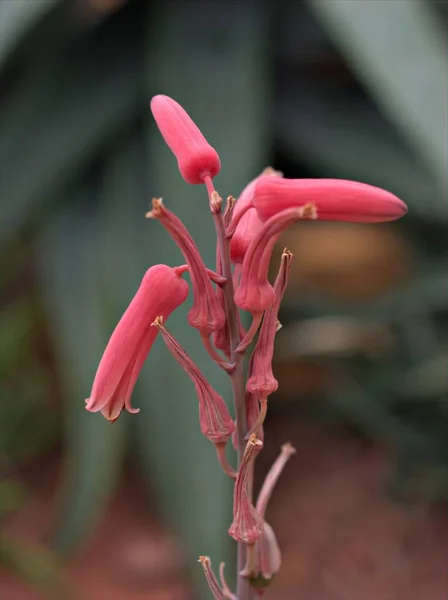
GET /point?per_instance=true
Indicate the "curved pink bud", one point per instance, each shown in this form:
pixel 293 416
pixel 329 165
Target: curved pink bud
pixel 247 229
pixel 254 292
pixel 162 290
pixel 335 199
pixel 195 157
pixel 245 220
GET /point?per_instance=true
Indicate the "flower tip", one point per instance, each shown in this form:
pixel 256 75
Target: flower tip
pixel 158 322
pixel 254 441
pixel 288 449
pixel 309 211
pixel 157 209
pixel 402 208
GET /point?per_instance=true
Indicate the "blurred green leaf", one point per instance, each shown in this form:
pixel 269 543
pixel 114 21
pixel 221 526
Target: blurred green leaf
pixel 342 137
pixel 398 50
pixel 94 99
pixel 94 447
pixel 37 566
pixel 12 495
pixel 16 321
pixel 18 19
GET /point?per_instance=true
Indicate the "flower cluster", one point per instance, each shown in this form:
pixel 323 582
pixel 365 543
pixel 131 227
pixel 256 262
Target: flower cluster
pixel 247 231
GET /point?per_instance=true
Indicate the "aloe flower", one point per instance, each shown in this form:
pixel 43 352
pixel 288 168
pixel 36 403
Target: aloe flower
pixel 334 199
pixel 246 233
pixel 162 290
pixel 254 293
pixel 245 220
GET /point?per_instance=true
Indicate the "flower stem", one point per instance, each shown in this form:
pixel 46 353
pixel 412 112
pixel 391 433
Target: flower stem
pixel 237 377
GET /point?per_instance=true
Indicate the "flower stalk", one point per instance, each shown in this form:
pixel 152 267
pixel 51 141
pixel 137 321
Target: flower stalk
pixel 247 230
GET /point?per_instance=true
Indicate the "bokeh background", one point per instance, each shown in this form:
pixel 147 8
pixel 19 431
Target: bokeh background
pixel 341 88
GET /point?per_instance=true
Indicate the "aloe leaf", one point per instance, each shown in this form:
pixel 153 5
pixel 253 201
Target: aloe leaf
pixel 95 99
pixel 344 138
pixel 18 18
pixel 94 448
pixel 398 50
pixel 39 567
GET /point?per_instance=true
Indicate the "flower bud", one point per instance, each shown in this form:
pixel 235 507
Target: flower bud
pixel 196 159
pixel 335 199
pixel 248 227
pixel 245 220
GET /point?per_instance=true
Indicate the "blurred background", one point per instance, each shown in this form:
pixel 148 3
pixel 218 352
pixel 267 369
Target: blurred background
pixel 345 89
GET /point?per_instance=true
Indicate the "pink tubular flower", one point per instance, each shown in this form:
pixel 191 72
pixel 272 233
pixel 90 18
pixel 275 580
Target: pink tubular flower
pixel 195 157
pixel 245 220
pixel 335 199
pixel 254 293
pixel 162 290
pixel 206 315
pixel 248 227
pixel 247 525
pixel 214 416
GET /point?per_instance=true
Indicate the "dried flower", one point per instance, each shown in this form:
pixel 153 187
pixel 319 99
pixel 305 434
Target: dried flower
pixel 225 588
pixel 335 199
pixel 287 450
pixel 196 159
pixel 214 417
pixel 247 525
pixel 211 578
pixel 267 559
pixel 206 314
pixel 162 290
pixel 261 382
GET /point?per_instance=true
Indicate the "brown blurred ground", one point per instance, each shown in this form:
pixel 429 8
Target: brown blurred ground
pixel 342 538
